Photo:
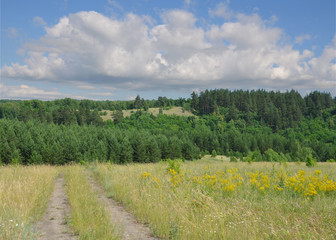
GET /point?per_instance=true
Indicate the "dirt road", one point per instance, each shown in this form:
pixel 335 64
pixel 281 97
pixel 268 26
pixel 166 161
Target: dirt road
pixel 54 226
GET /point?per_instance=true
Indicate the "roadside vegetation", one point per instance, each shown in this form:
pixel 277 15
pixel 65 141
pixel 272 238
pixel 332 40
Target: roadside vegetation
pixel 226 200
pixel 24 195
pixel 89 218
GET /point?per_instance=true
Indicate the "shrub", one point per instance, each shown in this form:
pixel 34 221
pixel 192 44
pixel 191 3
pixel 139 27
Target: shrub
pixel 249 159
pixel 310 162
pixel 213 153
pixel 174 164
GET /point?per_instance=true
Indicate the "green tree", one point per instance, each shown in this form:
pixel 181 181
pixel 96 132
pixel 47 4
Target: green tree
pixel 35 158
pixel 118 115
pixel 137 102
pixel 213 153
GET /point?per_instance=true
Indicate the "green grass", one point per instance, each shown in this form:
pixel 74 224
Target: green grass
pixel 189 210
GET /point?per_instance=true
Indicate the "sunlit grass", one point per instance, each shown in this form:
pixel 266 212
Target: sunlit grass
pixel 24 195
pixel 223 200
pixel 88 216
pixel 155 111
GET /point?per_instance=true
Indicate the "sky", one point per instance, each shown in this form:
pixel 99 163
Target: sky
pixel 115 50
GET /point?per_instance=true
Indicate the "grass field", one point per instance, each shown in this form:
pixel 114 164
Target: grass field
pixel 222 200
pixel 155 111
pixel 206 199
pixel 24 194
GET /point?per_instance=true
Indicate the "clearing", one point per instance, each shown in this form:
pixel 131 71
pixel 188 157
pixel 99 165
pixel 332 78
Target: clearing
pixel 155 111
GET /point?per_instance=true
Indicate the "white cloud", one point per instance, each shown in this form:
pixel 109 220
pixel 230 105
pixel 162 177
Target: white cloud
pixel 39 21
pixel 222 10
pixel 24 91
pixel 115 4
pixel 248 32
pixel 12 33
pixel 130 54
pixel 84 86
pixel 187 3
pixel 301 38
pixel 103 94
pixel 325 67
pixel 272 20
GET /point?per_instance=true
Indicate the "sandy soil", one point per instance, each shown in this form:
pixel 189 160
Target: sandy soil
pixel 54 226
pixel 125 223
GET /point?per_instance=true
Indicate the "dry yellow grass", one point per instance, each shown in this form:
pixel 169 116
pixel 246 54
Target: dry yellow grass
pixel 89 218
pixel 155 111
pixel 24 194
pixel 177 207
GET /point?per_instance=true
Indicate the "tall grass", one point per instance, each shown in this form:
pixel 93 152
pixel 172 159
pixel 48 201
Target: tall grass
pixel 179 207
pixel 24 194
pixel 88 217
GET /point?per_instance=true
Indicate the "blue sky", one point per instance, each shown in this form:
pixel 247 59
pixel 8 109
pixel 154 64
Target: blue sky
pixel 109 49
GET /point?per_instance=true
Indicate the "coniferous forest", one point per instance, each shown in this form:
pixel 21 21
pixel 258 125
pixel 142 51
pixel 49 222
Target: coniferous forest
pixel 249 125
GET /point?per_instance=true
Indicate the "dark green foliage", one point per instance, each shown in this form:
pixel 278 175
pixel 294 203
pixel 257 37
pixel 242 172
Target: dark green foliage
pixel 118 116
pixel 213 153
pixel 16 157
pixel 310 162
pixel 35 158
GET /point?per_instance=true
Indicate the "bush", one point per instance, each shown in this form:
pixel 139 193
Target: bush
pixel 174 164
pixel 249 159
pixel 233 159
pixel 331 160
pixel 83 163
pixel 213 153
pixel 310 162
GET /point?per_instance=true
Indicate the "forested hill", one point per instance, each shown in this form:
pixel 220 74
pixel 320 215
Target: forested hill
pixel 251 125
pixel 274 109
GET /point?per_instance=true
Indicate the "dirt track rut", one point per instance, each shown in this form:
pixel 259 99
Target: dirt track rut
pixel 124 222
pixel 54 226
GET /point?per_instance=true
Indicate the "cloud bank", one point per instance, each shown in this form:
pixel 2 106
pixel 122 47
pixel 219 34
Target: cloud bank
pixel 24 91
pixel 134 53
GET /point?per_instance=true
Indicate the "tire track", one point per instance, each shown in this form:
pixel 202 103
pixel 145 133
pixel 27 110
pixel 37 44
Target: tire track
pixel 124 222
pixel 54 226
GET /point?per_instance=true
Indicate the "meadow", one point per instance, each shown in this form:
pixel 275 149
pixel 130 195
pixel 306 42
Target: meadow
pixel 210 198
pixel 24 194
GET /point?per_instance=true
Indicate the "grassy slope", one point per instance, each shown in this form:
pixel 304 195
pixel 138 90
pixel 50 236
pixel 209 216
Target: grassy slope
pixel 155 111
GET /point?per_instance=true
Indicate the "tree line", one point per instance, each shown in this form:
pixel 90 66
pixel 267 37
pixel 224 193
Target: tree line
pixel 274 109
pixel 147 138
pixel 254 125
